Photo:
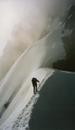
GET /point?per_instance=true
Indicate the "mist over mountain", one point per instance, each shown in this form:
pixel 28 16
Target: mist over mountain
pixel 25 23
pixel 36 38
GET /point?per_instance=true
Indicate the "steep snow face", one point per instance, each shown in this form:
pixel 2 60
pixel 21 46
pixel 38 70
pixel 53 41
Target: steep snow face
pixel 41 55
pixel 34 41
pixel 25 22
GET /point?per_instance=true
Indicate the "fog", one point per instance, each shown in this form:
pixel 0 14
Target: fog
pixel 22 23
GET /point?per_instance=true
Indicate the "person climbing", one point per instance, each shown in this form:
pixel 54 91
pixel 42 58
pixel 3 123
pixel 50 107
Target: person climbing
pixel 34 83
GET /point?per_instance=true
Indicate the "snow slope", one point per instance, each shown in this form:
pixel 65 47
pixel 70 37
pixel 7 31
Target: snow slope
pixel 42 54
pixel 21 100
pixel 15 87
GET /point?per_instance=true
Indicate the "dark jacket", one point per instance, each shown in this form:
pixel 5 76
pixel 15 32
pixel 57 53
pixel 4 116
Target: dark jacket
pixel 34 81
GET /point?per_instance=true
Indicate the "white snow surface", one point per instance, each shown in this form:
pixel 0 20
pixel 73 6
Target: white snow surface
pixel 19 118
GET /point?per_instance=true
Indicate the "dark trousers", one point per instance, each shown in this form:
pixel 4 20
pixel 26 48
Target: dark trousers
pixel 35 88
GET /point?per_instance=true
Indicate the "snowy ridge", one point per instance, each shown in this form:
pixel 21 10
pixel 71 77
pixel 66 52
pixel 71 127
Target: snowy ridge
pixel 43 54
pixel 22 112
